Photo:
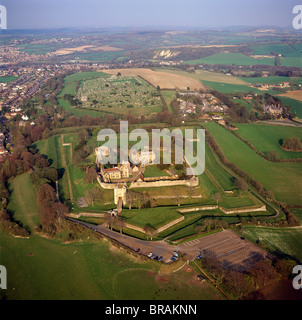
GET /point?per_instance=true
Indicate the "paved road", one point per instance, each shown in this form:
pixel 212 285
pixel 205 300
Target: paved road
pixel 159 248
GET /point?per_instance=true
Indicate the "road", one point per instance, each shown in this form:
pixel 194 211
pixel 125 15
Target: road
pixel 159 248
pixel 225 246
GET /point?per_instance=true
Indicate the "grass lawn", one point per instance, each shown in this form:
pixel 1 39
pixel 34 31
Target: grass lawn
pixel 77 111
pixel 221 177
pixel 285 179
pixel 69 88
pixel 279 240
pixel 42 269
pixel 267 138
pixel 22 202
pixel 154 171
pixel 157 217
pixel 84 76
pixel 8 79
pixel 169 95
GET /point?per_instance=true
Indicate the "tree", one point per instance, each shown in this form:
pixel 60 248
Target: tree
pixel 131 198
pixel 93 195
pixel 120 223
pixel 110 220
pixel 241 184
pixel 272 156
pixel 199 229
pixel 217 197
pixel 90 176
pixel 263 274
pixel 150 231
pixel 293 144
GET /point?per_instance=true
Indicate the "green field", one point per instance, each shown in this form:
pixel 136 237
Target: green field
pixel 80 76
pixel 284 49
pixel 8 79
pixel 78 112
pixel 267 138
pixel 42 269
pixel 156 217
pixel 273 80
pixel 230 88
pixel 232 58
pixel 37 48
pixel 101 56
pixel 288 242
pixel 296 106
pixel 285 179
pixel 69 88
pixel 22 203
pixel 169 95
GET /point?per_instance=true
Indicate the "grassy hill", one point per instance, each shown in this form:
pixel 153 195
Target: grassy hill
pixel 285 179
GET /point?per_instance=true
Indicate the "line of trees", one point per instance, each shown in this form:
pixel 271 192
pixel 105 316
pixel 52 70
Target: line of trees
pixel 52 210
pixel 292 144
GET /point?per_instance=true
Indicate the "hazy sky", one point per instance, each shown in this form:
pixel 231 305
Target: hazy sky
pixel 150 13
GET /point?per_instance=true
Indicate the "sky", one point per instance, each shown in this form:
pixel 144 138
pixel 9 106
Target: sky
pixel 24 14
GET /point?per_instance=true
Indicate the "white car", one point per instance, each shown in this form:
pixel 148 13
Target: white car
pixel 150 255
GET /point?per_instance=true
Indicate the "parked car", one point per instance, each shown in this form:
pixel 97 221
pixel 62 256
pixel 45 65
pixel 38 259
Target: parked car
pixel 173 259
pixel 150 255
pixel 199 257
pixel 153 256
pixel 160 259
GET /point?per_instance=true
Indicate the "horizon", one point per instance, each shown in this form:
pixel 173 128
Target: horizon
pixel 43 14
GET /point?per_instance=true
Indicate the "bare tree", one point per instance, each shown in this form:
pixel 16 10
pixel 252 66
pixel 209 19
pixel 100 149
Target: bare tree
pixel 120 223
pixel 92 195
pixel 217 197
